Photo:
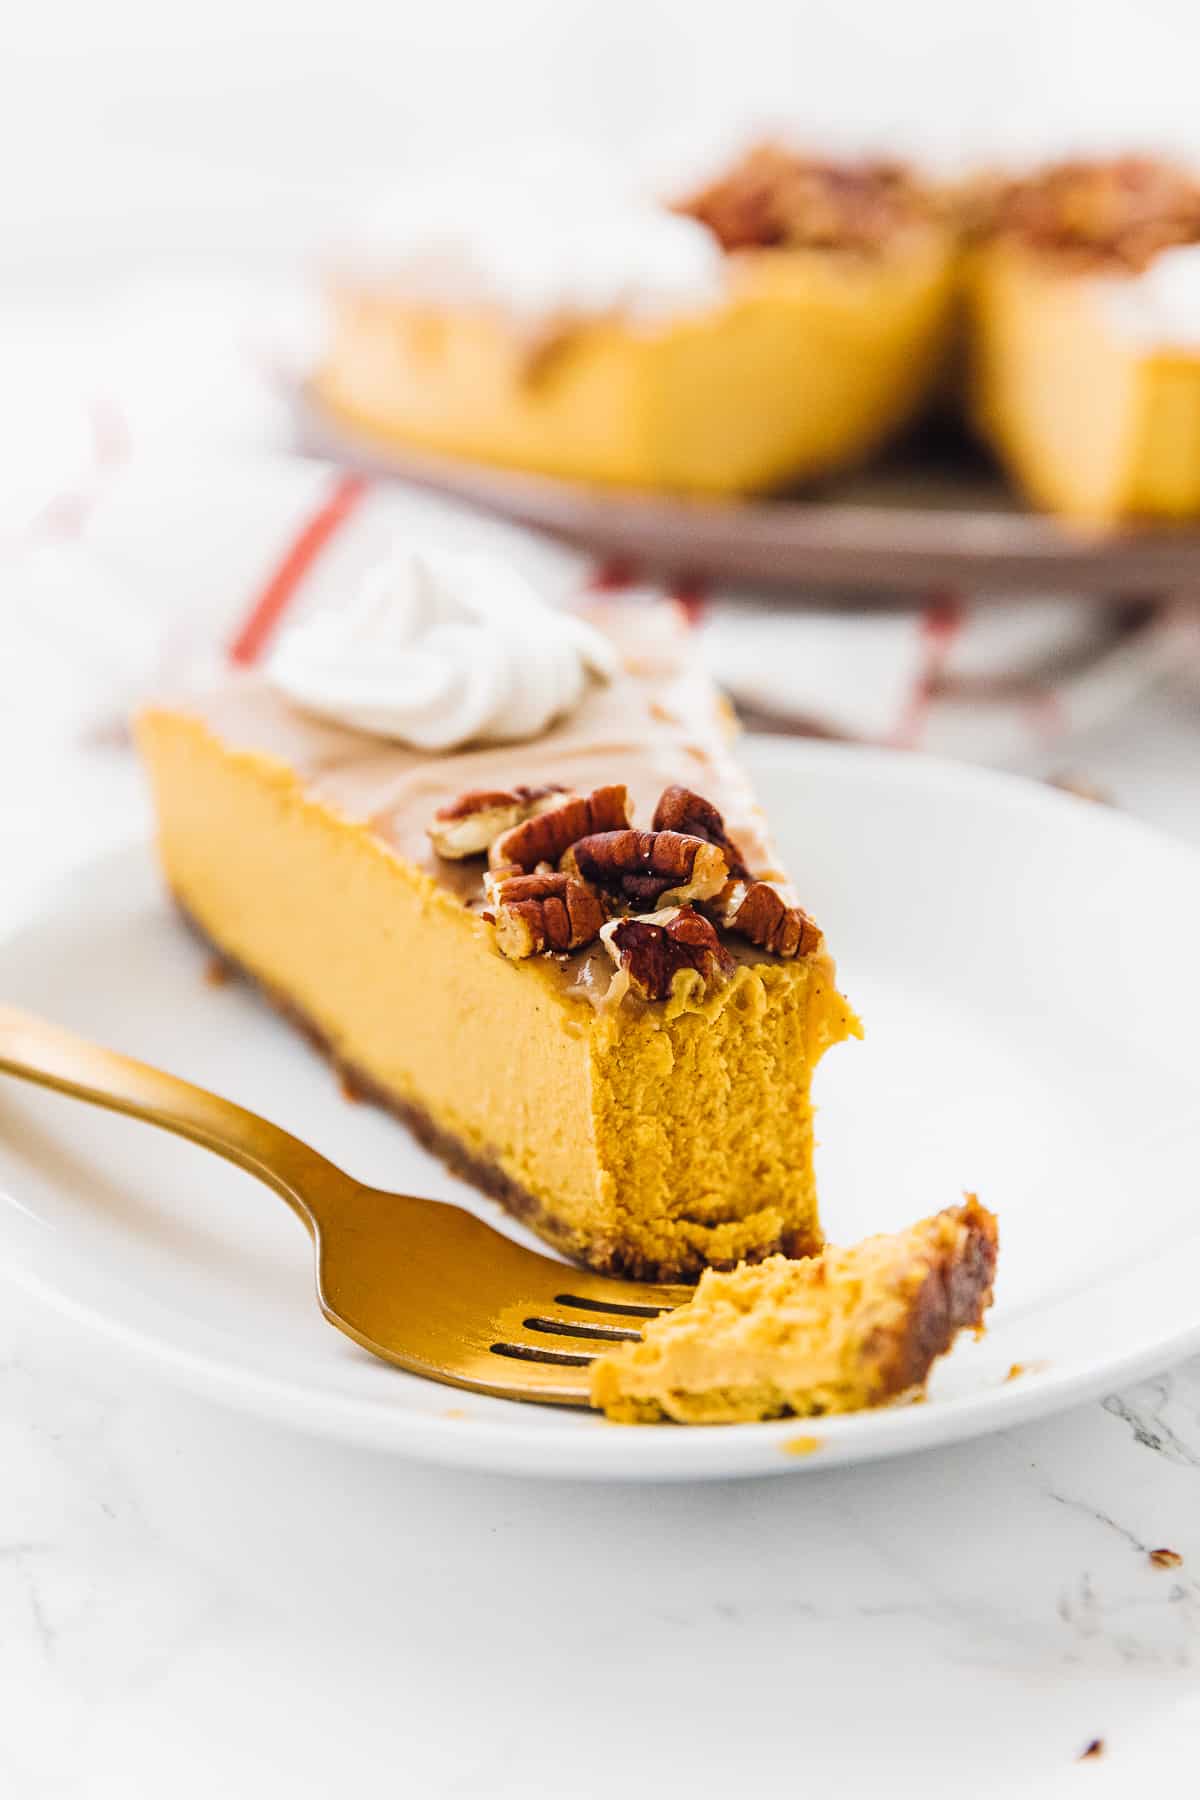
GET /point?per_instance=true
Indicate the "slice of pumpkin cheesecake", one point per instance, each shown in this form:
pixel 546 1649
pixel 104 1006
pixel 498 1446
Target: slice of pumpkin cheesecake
pixel 554 939
pixel 833 1333
pixel 1083 302
pixel 773 327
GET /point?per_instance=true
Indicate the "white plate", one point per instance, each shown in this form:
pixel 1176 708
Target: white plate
pixel 1026 965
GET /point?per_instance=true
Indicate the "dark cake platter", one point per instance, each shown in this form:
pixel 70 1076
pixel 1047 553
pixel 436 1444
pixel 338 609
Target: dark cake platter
pixel 933 515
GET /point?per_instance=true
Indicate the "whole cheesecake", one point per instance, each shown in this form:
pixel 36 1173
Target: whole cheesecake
pixel 569 963
pixel 1083 293
pixel 774 327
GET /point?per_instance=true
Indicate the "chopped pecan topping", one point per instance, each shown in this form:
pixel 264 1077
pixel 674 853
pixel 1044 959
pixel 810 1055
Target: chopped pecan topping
pixel 1117 213
pixel 765 913
pixel 533 913
pixel 545 837
pixel 649 868
pixel 679 809
pixel 652 950
pixel 568 862
pixel 774 196
pixel 472 823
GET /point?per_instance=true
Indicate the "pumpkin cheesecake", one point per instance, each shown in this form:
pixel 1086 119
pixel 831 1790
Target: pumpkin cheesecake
pixel 832 1333
pixel 504 866
pixel 1083 293
pixel 774 327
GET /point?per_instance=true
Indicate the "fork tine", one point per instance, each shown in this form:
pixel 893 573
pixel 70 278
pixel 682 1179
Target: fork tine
pixel 515 1374
pixel 560 1330
pixel 591 1332
pixel 598 1295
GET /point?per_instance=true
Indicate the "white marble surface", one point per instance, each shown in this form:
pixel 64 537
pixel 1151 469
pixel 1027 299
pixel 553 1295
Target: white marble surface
pixel 192 1604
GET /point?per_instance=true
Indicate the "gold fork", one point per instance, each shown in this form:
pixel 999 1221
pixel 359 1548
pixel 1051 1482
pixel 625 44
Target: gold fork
pixel 417 1282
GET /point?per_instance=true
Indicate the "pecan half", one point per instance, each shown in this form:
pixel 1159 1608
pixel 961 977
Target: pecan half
pixel 653 950
pixel 650 868
pixel 533 913
pixel 472 823
pixel 776 196
pixel 545 837
pixel 765 913
pixel 679 809
pixel 1116 213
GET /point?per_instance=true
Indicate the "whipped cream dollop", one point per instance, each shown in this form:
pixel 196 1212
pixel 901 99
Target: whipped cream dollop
pixel 1159 308
pixel 537 253
pixel 439 649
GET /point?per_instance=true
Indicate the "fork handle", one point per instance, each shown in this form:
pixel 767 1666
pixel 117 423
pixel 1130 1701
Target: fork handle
pixel 34 1050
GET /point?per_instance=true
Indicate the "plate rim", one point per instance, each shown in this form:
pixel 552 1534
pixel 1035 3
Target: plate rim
pixel 665 1452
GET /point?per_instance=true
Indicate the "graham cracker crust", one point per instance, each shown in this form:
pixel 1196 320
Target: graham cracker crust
pixel 606 1256
pixel 953 1298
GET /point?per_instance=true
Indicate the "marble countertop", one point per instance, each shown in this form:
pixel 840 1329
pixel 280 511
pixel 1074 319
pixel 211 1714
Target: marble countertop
pixel 194 1604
